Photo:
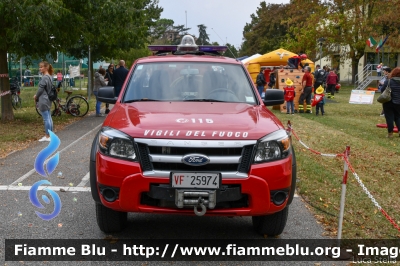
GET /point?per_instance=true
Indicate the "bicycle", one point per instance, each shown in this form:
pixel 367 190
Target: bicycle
pixel 15 89
pixel 77 105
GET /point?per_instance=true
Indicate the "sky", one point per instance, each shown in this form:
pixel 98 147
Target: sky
pixel 224 19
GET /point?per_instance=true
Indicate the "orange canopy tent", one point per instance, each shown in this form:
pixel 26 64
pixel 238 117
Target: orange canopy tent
pixel 275 58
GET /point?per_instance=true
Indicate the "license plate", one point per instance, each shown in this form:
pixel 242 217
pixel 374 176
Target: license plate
pixel 196 180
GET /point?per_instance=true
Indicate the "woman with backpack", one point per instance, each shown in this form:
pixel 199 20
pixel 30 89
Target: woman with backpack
pixel 42 97
pixel 99 82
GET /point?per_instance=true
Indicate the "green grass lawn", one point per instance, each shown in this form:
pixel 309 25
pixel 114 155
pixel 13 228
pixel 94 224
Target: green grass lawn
pixel 374 157
pixel 28 125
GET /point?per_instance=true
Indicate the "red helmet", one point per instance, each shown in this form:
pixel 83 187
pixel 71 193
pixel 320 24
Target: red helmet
pixel 337 86
pixel 303 56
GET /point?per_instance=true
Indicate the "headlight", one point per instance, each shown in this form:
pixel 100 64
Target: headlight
pixel 275 146
pixel 116 144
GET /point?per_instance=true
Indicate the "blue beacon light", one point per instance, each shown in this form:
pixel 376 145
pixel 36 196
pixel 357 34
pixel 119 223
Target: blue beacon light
pixel 187 44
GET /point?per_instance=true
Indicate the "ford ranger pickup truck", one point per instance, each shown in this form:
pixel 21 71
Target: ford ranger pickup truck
pixel 189 134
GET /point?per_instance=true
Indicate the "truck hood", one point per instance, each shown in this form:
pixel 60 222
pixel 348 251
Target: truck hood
pixel 193 120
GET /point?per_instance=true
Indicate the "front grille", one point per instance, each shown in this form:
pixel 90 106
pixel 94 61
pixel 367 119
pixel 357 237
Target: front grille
pixel 185 167
pixel 206 151
pixel 145 152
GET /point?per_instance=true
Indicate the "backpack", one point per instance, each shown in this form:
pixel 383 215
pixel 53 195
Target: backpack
pixel 321 76
pixel 52 94
pixel 289 94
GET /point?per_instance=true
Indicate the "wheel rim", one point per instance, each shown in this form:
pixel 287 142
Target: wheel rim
pixel 15 101
pixel 78 106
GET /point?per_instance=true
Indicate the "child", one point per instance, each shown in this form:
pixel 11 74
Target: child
pixel 289 93
pixel 319 100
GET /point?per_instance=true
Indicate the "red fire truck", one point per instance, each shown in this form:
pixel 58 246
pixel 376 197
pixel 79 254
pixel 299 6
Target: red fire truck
pixel 189 134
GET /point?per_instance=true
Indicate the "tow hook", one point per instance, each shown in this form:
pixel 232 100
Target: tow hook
pixel 200 200
pixel 201 205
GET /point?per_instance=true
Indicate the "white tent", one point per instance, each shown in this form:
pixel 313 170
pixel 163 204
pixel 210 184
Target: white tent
pixel 248 59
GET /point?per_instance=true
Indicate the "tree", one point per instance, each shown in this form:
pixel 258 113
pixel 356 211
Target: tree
pixel 181 31
pixel 345 25
pixel 165 32
pixel 301 37
pixel 127 28
pixel 132 54
pixel 31 27
pixel 203 38
pixel 159 29
pixel 231 52
pixel 266 31
pixel 387 21
pixel 37 28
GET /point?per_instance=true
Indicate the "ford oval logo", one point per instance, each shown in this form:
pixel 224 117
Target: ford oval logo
pixel 195 159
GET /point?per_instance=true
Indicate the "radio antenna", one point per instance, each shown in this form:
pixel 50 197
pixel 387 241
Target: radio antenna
pixel 225 44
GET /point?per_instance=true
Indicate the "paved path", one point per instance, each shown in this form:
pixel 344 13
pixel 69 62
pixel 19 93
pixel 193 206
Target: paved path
pixel 77 219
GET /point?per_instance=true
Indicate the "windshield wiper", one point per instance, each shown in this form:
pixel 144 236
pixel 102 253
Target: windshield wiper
pixel 203 100
pixel 142 100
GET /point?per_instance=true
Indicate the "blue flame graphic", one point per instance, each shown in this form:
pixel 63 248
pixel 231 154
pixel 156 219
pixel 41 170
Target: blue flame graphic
pixel 35 201
pixel 45 153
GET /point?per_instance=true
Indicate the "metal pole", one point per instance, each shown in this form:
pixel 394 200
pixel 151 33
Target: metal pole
pixel 20 70
pixel 186 18
pixel 378 58
pixel 343 196
pixel 388 54
pixel 63 65
pixel 320 54
pixel 89 89
pixel 80 74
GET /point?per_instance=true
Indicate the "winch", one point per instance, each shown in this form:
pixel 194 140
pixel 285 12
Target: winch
pixel 197 199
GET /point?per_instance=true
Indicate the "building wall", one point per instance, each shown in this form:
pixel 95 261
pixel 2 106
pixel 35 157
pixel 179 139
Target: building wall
pixel 391 57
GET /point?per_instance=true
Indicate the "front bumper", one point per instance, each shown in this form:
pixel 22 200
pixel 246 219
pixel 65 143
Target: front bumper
pixel 248 196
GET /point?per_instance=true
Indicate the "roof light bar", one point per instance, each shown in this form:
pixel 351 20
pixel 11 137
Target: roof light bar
pixel 187 44
pixel 211 48
pixel 163 48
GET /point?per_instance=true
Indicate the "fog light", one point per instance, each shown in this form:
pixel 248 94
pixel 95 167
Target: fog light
pixel 279 197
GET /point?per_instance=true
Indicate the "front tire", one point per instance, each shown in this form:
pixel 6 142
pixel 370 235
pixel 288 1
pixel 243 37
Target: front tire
pixel 78 106
pixel 110 221
pixel 16 101
pixel 271 225
pixel 54 111
pixel 294 178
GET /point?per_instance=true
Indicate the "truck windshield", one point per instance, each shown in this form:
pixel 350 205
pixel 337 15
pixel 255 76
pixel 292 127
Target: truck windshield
pixel 189 81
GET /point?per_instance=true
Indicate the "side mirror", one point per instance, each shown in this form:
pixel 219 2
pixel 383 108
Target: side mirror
pixel 107 95
pixel 273 97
